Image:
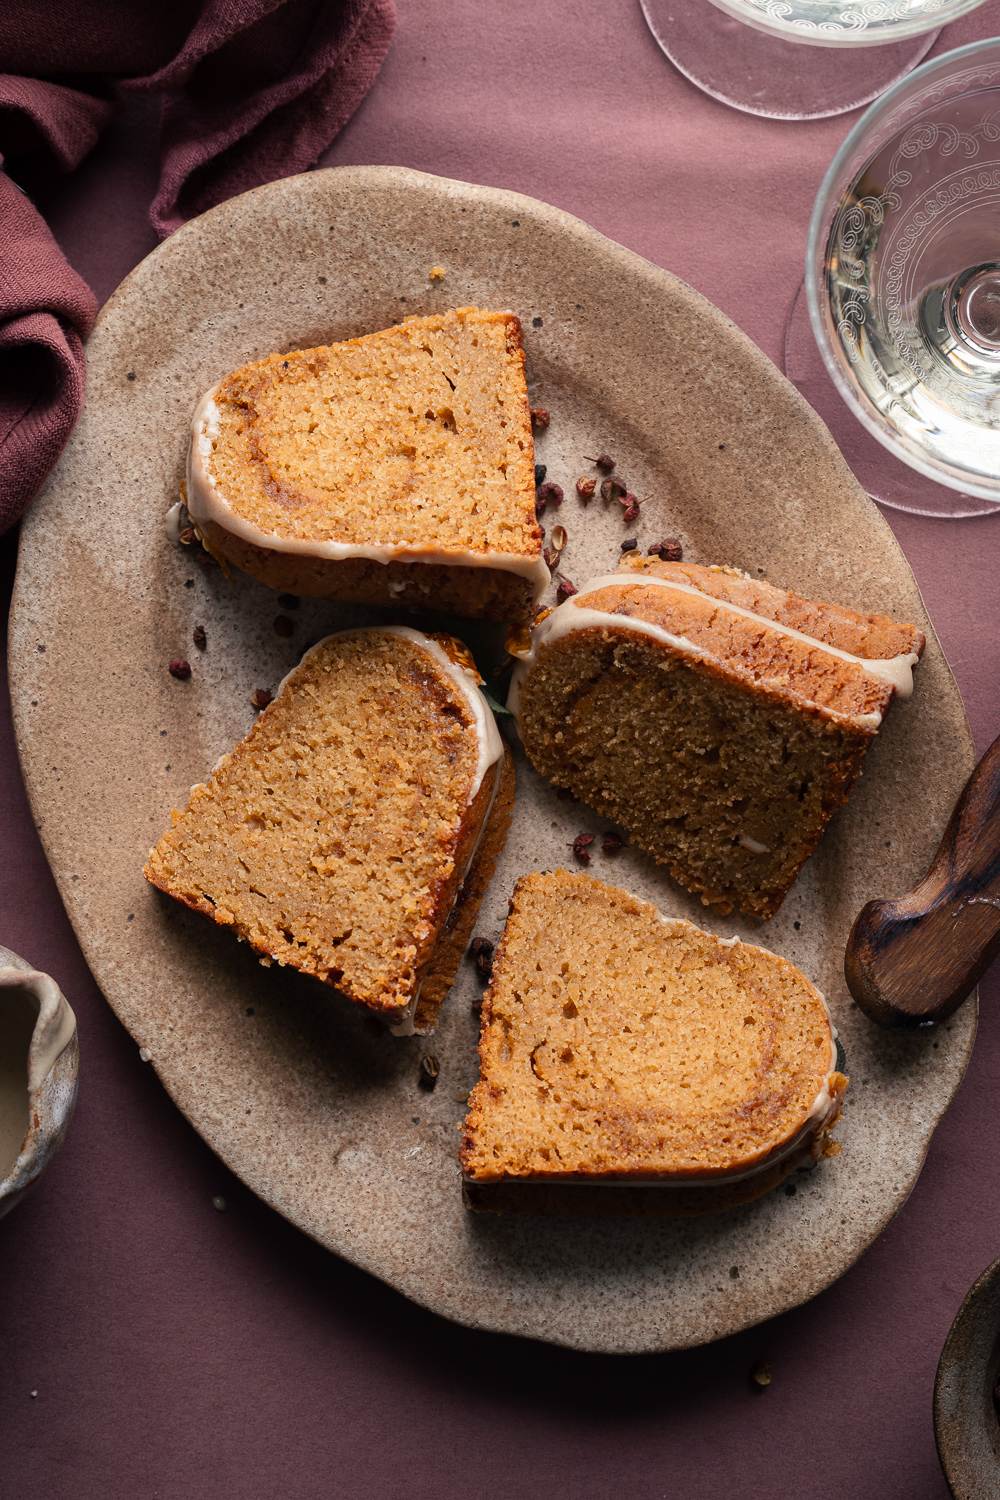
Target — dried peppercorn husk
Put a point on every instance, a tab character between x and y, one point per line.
481	953
581	848
430	1071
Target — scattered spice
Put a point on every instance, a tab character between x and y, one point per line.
581	848
219	1203
260	698
559	538
547	494
761	1375
540	418
585	486
565	590
199	637
629	544
630	511
187	536
430	1070
612	489
289	601
536	322
436	273
612	843
481	953
179	668
540	473
283	626
669	550
550	557
604	462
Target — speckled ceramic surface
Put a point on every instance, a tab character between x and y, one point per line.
46	1065
966	1416
319	1112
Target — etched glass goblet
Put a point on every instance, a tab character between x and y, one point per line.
903	273
798	59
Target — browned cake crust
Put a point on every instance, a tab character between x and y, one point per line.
455	935
413	444
474	593
723	745
632	1063
340	835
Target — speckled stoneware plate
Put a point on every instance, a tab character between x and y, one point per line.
319	1112
966	1415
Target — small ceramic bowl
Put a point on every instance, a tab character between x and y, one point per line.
39	1066
966	1419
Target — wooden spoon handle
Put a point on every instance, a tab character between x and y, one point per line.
914	959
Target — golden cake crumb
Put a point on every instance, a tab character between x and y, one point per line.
618	1044
341	837
396	468
721	742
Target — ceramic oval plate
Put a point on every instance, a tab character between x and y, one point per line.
317	1110
966	1391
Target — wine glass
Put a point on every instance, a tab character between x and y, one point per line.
903	274
798	59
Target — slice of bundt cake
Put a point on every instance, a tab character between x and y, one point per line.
396	468
621	1046
719	719
352	833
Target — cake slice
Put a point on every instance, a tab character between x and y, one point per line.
396	468
719	719
352	833
619	1046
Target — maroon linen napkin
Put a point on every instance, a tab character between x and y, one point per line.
45	313
251	90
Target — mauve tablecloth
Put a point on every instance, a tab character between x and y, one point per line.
152	1346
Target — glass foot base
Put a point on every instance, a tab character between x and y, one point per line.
888	480
765	75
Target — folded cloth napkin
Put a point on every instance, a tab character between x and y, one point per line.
45	313
251	90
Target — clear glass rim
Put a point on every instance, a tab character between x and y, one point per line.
819	229
881	36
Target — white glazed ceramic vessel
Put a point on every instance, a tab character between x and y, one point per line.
39	1067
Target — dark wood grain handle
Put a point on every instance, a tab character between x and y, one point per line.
914	959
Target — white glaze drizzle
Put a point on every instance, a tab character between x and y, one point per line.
173	521
207	503
896	672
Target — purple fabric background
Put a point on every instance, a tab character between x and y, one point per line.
181	1352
